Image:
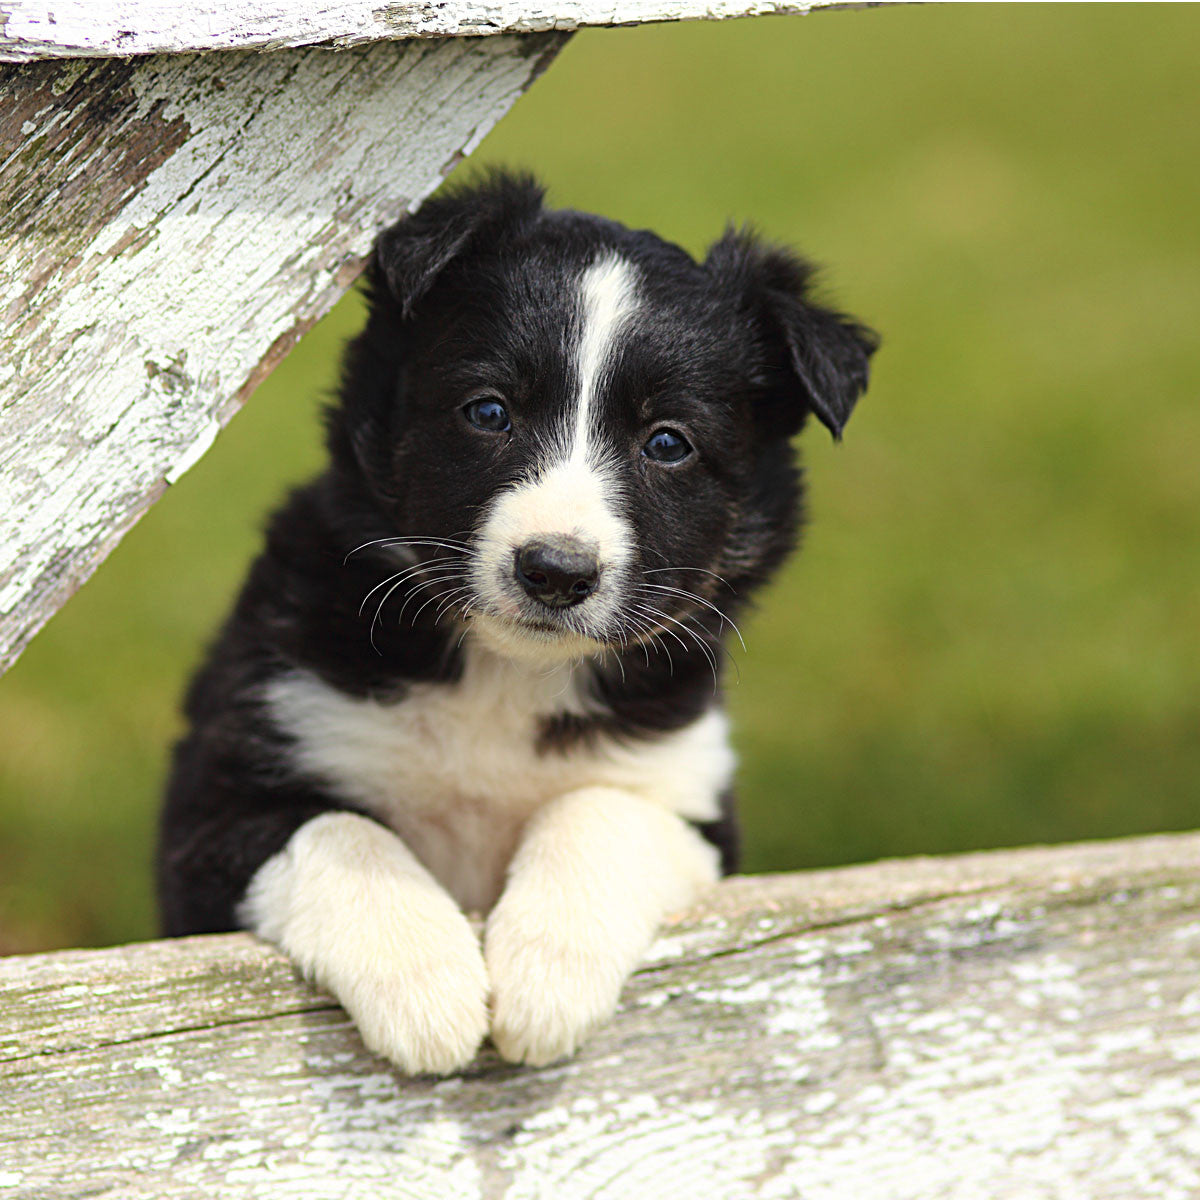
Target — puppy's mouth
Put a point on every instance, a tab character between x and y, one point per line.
547	627
542	623
535	638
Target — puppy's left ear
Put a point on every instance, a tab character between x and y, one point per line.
413	253
819	359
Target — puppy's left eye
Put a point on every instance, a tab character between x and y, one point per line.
667	446
488	414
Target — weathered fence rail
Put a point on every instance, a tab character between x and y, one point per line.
1011	1025
61	28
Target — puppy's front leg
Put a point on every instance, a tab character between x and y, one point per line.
595	873
350	905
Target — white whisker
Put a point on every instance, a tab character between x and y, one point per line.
400	576
662	629
691	596
701	570
443	543
700	642
431	600
418	589
450	600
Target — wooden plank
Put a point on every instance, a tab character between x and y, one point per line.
32	29
168	227
1013	1025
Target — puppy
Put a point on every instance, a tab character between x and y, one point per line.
477	666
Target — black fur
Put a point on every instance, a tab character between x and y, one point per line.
469	294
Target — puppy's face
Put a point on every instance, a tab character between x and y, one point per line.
592	424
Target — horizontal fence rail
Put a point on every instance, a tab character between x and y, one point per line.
1008	1025
63	28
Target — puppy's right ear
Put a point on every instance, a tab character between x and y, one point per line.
820	358
412	253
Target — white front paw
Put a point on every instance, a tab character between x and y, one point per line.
548	993
426	1013
350	905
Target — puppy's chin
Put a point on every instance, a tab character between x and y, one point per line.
537	644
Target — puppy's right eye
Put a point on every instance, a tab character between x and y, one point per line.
667	446
488	414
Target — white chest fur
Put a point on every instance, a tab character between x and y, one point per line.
456	771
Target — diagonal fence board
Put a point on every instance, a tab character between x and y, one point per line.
1011	1025
32	29
169	226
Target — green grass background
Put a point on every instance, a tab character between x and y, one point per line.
992	636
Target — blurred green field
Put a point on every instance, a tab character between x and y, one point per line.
993	635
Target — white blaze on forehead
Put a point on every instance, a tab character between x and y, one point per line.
608	297
571	491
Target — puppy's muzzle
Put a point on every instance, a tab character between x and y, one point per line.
557	571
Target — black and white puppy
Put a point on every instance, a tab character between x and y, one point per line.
476	667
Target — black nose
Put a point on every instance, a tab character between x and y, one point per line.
557	571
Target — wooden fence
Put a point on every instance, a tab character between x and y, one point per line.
1020	1025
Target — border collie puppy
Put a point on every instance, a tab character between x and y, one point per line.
476	667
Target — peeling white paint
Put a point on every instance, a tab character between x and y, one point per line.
1189	1006
62	27
194	453
672	945
655	999
985	910
853	946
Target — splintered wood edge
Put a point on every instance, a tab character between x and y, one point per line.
31	29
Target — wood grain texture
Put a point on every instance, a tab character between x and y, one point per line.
31	29
1016	1025
168	227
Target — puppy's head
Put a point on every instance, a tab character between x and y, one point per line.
593	425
